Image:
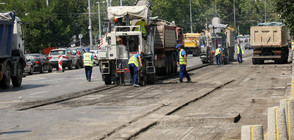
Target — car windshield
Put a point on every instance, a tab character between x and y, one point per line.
32	57
74	52
57	52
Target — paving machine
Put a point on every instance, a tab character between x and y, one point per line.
126	39
218	34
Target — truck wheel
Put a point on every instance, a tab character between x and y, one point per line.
16	80
5	82
107	79
167	65
254	61
151	78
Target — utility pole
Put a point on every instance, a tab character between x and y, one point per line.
234	5
90	24
99	18
215	7
264	10
121	3
191	21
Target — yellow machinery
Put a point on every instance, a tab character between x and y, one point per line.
192	43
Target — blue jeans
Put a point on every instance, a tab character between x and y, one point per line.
218	59
183	72
134	73
239	57
88	71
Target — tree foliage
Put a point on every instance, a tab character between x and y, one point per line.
56	24
285	9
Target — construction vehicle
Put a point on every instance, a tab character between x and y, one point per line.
12	60
157	46
270	41
192	43
218	34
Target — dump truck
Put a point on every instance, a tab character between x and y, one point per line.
192	42
126	39
218	34
270	41
12	60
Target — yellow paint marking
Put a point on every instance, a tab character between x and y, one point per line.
276	124
252	132
292	89
288	119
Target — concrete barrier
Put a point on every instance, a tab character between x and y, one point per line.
277	129
288	106
252	132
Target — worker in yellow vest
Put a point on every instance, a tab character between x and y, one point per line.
143	27
135	64
182	62
240	53
88	63
218	52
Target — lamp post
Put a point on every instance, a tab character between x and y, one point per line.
264	10
191	22
90	23
47	3
121	3
99	18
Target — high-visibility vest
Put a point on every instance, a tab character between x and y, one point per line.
134	60
238	50
181	58
142	25
217	51
88	61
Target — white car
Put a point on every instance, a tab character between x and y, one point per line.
95	53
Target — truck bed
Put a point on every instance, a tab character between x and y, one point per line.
6	32
165	37
268	36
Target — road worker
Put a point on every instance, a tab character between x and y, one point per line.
135	65
88	63
240	53
218	55
143	28
182	62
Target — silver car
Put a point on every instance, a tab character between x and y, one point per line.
68	59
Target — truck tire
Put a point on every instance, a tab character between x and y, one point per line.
16	80
167	65
151	78
107	79
254	61
5	82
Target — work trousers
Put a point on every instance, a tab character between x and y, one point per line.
239	57
218	59
183	72
134	73
88	71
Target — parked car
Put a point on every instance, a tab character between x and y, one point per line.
79	52
95	53
40	63
29	68
68	59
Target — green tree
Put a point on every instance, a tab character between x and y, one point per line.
285	9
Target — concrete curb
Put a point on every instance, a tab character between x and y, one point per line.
277	128
288	106
292	81
252	132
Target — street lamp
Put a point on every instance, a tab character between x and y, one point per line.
99	17
90	24
191	22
